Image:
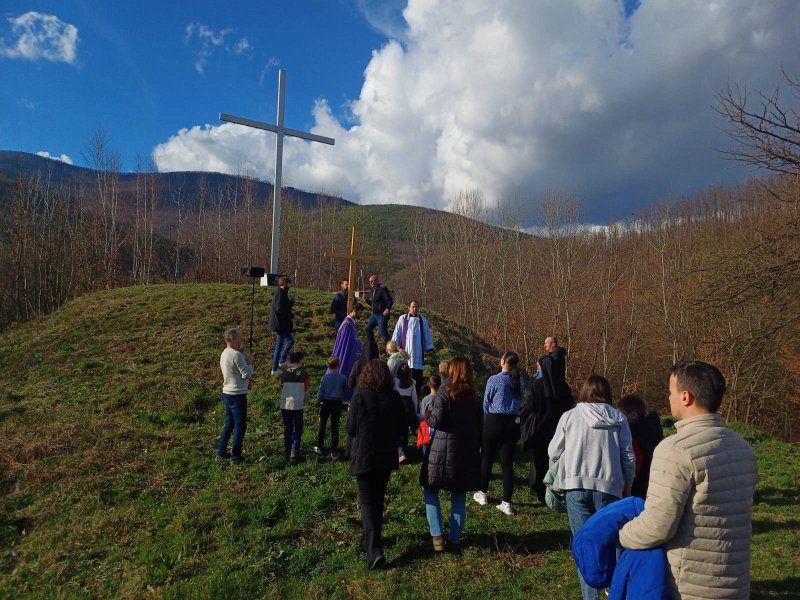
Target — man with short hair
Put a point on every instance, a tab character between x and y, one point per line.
339	304
699	502
347	347
381	304
237	371
413	334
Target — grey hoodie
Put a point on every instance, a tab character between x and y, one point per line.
594	448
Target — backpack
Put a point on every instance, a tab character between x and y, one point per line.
424	434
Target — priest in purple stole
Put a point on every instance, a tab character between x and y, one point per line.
348	347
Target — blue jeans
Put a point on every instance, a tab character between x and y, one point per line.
582	504
458	513
236	421
382	322
292	429
278	358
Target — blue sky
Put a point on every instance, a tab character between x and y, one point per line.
135	74
608	101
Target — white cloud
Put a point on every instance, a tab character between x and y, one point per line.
63	158
35	35
205	40
512	96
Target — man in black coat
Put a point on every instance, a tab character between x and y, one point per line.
281	321
339	305
381	302
549	397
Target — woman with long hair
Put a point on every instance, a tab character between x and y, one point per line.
501	429
375	421
596	465
453	460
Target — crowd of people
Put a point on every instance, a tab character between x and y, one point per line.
588	451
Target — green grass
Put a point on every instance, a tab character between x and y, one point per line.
109	487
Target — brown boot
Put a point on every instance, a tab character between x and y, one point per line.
438	543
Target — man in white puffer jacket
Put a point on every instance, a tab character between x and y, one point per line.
700	499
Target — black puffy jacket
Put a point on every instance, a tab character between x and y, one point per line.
453	461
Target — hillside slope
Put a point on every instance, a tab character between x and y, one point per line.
109	487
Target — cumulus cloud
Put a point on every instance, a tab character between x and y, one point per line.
205	40
609	100
35	36
63	158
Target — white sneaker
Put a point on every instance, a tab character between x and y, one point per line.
505	508
318	451
481	498
274	372
401	455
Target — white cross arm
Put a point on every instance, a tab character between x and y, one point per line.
276	129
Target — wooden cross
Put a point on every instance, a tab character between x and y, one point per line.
352	257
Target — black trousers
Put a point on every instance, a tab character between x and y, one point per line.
540	462
500	436
329	409
371	495
419	380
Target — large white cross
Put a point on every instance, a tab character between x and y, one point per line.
281	131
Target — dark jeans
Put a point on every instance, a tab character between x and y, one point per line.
500	435
371	495
337	322
383	323
292	429
236	421
582	504
281	350
332	409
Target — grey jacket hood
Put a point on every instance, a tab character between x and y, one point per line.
600	416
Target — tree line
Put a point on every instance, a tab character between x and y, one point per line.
715	276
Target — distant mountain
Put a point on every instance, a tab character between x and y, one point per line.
14	164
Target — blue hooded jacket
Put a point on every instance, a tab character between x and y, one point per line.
637	573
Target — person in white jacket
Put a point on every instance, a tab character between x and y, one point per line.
413	334
595	452
700	500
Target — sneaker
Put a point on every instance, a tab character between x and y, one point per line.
481	498
225	456
274	372
335	456
318	451
505	508
401	455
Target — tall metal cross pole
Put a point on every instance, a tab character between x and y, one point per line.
352	257
281	131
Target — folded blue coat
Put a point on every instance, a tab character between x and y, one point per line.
637	574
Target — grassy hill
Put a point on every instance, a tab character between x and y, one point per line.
109	487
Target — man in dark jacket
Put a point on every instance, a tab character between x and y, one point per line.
548	398
339	305
281	321
381	304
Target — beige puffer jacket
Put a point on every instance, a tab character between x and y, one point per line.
699	506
